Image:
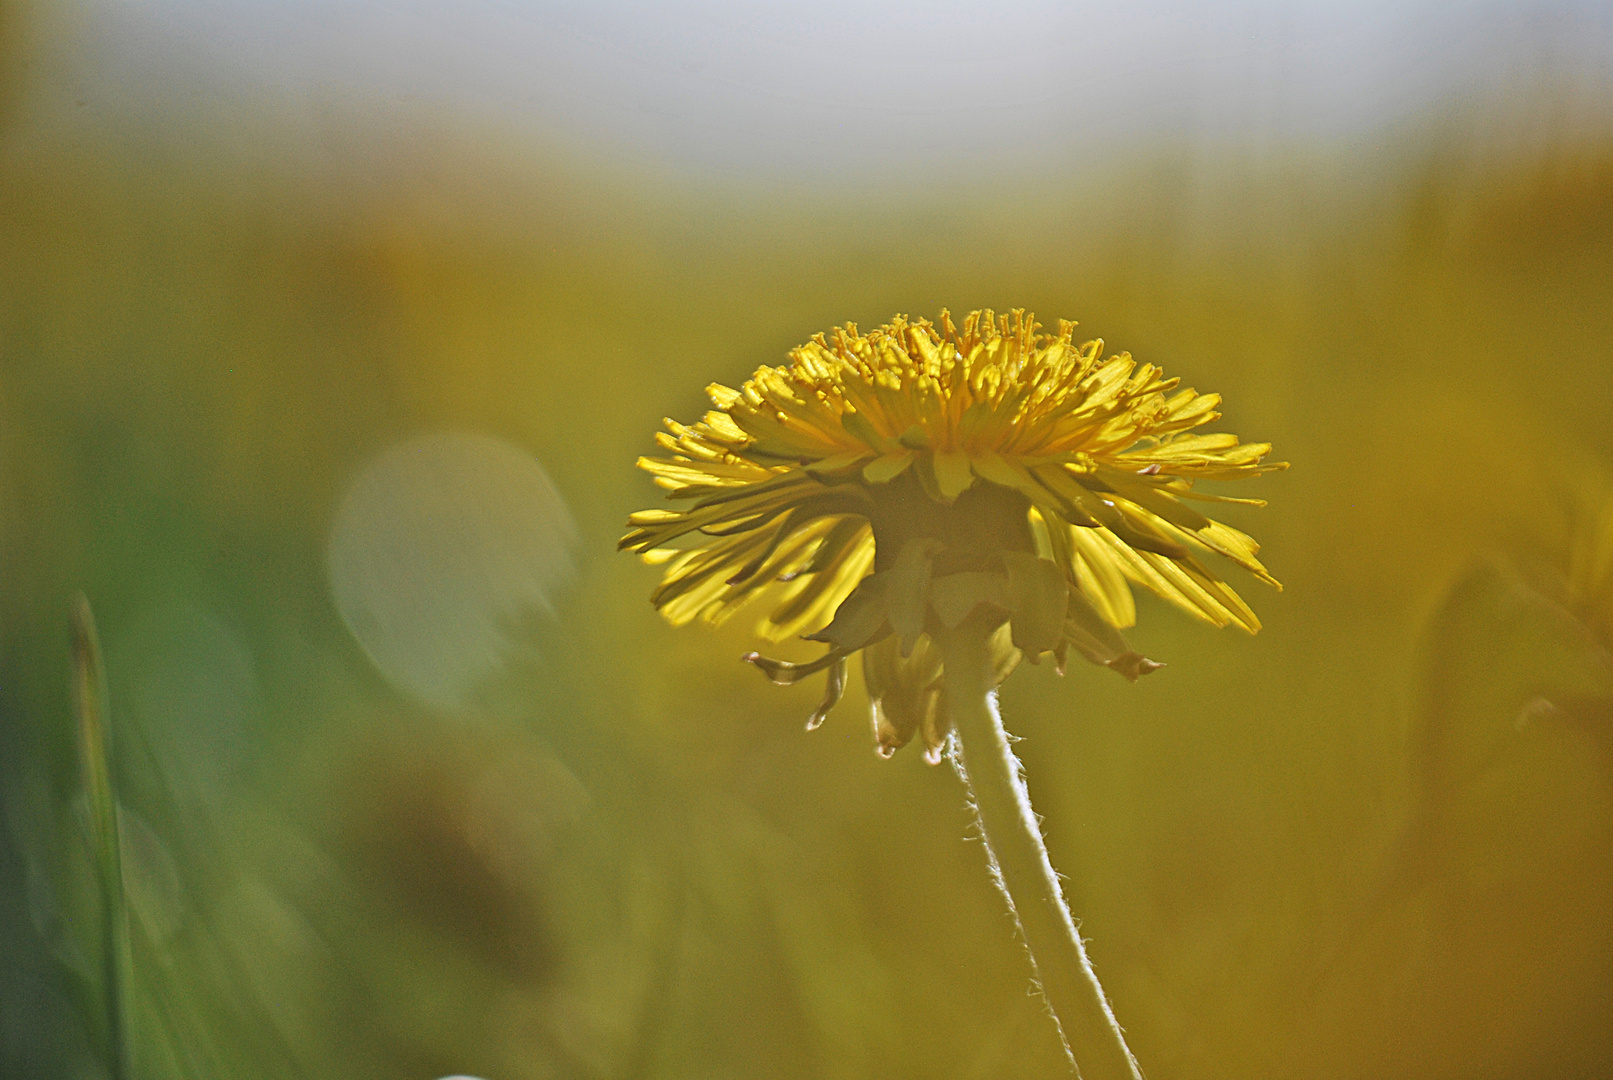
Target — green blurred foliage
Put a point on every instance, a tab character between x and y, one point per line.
624	858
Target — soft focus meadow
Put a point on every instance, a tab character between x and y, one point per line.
329	403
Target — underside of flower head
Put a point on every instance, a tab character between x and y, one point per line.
880	488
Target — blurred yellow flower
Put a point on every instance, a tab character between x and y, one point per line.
884	485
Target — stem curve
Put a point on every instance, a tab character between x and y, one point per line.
1019	862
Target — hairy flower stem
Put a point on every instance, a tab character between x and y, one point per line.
1013	838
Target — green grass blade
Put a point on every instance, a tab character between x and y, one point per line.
95	766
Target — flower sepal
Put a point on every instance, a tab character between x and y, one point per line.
892	617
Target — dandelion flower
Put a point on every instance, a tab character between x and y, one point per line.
881	487
946	502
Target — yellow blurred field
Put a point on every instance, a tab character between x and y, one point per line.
609	850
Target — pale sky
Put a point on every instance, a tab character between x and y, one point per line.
845	87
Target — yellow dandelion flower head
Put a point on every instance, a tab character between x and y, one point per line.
882	487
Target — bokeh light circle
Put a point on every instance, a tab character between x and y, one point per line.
441	548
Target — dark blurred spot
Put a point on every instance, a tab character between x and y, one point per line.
1563	200
424	839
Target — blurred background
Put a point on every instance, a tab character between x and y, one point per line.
329	332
